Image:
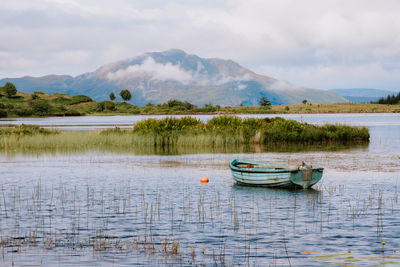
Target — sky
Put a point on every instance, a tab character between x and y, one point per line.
312	43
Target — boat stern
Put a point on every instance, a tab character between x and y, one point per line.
307	177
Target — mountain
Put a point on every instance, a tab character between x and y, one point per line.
160	76
362	95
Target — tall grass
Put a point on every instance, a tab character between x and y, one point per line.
157	136
231	130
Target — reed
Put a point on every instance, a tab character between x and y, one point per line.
223	134
53	229
234	131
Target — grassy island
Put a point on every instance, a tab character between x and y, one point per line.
219	132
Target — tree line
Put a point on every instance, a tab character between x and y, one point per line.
389	100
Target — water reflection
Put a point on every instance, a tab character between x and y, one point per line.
245	189
134	206
186	150
132	209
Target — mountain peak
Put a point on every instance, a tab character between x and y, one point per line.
170	53
173	74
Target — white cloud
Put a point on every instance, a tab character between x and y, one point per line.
164	72
294	38
156	70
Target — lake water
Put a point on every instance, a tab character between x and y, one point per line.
101	208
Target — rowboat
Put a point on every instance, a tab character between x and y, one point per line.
257	173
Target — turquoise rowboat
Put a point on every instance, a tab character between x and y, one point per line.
257	173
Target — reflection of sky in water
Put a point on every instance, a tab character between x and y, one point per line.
310	226
369	119
338	215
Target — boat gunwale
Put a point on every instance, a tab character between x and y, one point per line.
264	170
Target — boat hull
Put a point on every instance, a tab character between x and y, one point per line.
273	175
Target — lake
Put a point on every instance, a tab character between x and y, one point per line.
104	208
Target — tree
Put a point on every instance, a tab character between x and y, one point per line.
265	102
126	95
10	89
305	101
112	96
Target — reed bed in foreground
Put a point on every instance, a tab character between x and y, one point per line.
188	132
81	218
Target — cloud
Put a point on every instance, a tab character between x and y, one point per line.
157	71
291	38
167	71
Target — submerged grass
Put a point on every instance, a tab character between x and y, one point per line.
220	133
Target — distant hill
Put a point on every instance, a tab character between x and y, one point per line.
159	76
362	95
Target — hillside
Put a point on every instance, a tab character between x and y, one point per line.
159	76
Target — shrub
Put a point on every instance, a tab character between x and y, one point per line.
105	105
208	108
180	105
24	112
35	96
40	106
73	113
3	113
149	104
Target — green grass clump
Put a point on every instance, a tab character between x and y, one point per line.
225	122
24	130
231	130
169	124
166	131
168	134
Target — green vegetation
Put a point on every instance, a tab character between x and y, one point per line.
9	89
389	100
223	133
25	130
72	100
112	96
39	103
57	104
231	130
265	102
126	95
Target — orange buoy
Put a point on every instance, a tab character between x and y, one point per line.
204	180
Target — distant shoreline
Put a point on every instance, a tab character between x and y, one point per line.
339	108
62	105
